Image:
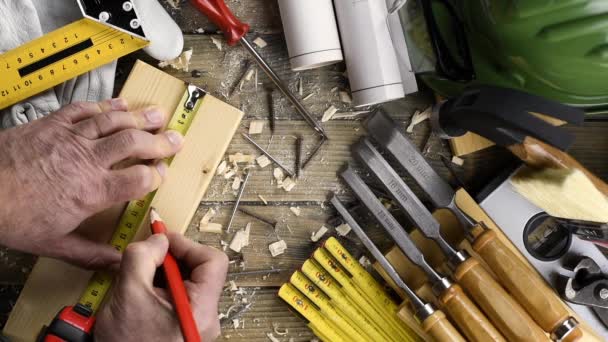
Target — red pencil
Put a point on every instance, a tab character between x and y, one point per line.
176	286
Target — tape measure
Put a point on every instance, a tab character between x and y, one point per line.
135	212
108	31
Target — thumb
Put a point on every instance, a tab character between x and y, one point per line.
86	253
141	259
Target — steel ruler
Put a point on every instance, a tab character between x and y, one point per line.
136	211
107	31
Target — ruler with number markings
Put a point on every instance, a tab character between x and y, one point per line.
107	31
136	211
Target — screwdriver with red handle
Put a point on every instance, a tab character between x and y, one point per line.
235	32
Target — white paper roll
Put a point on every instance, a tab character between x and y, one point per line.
311	33
371	61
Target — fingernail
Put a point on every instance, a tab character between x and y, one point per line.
118	104
153	115
162	168
174	137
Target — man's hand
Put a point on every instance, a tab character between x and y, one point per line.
137	311
57	171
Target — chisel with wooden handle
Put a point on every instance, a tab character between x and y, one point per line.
433	321
527	287
506	314
471	321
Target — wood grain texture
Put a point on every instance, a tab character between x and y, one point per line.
530	290
538	154
502	310
467	316
438	326
54	284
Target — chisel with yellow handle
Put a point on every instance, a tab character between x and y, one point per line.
309	311
433	321
333	290
333	267
323	302
471	321
525	285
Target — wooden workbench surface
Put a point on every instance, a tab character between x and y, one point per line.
220	71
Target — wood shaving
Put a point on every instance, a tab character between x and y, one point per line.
209	215
232	286
419	117
457	160
300	87
295	210
263	161
364	261
288	184
213	228
217	42
278	175
241	158
249	74
343	229
334	89
173	3
279	332
221	168
329	113
236	183
316	236
308	96
235	323
229	174
205	224
261	43
272	338
256	127
263	199
240	239
182	62
224	245
345	97
349	115
277	248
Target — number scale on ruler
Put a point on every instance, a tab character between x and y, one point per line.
135	212
61	55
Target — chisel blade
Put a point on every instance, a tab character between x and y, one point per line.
388	222
384	131
371	247
405	197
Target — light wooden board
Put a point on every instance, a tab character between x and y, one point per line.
53	284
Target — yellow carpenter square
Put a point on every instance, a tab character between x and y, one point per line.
61	55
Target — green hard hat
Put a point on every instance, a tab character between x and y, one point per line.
557	49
